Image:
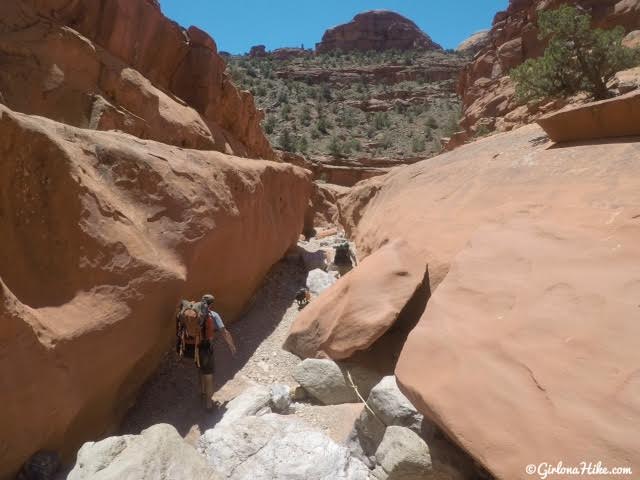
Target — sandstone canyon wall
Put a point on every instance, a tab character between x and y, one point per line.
102	233
485	87
123	65
117	205
523	353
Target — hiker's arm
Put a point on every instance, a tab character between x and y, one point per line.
229	339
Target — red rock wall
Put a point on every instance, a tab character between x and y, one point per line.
101	235
123	65
487	91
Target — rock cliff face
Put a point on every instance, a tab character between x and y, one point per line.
376	30
527	239
474	43
123	65
101	233
487	91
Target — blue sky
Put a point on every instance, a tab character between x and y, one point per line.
236	25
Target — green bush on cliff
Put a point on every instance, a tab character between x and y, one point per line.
577	59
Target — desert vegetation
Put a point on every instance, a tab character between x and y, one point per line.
358	111
578	58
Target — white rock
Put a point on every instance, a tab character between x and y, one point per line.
327	382
390	407
318	281
274	447
250	402
158	452
403	455
280	398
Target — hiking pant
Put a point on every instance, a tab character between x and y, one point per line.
207	366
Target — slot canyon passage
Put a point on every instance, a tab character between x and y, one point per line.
426	274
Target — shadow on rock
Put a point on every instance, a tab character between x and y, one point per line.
172	395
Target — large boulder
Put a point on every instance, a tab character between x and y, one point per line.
376	30
386	406
403	455
124	66
319	280
248	403
593	187
333	384
528	349
158	452
616	117
274	447
625	81
102	233
360	307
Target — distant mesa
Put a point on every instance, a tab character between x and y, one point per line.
258	51
474	43
286	53
376	30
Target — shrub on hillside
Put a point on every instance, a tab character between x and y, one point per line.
269	124
335	147
578	58
286	141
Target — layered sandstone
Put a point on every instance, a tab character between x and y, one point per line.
524	352
124	66
101	233
376	30
485	87
616	117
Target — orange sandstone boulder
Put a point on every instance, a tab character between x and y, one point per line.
357	310
102	233
551	298
437	204
616	117
527	352
323	206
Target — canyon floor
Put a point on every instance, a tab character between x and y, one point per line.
172	394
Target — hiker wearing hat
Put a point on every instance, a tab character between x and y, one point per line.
197	325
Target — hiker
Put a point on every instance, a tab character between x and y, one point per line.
303	297
197	325
344	259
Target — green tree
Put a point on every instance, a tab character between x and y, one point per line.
578	58
431	123
419	145
305	115
286	141
285	112
269	124
323	125
335	147
381	120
